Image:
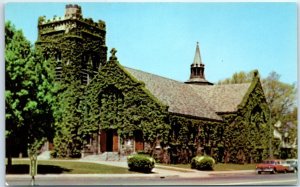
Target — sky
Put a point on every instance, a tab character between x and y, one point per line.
160	38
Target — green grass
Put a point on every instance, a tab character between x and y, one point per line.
65	167
229	167
218	167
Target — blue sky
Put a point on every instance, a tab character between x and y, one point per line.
161	38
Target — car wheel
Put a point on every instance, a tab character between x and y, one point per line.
273	171
259	172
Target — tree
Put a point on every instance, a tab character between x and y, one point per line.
29	94
237	78
280	96
282	101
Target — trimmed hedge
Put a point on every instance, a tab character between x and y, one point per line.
141	163
202	163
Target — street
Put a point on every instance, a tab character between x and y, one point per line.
232	179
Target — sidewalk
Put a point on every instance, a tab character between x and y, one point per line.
170	171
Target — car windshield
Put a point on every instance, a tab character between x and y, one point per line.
269	162
291	161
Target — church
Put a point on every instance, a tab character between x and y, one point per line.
131	111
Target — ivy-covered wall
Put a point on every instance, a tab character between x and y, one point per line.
191	136
116	100
247	132
77	49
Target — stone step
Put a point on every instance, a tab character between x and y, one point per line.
106	156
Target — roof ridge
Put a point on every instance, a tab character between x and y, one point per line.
232	84
154	74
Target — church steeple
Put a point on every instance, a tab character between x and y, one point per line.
197	58
197	70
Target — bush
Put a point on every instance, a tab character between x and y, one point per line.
202	163
141	163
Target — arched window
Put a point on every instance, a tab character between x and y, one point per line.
110	101
257	117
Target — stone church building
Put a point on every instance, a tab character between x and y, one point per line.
130	111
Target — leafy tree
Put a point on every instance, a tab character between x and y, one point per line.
282	101
280	96
29	94
238	77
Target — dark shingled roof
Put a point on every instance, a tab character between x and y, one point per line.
223	98
192	100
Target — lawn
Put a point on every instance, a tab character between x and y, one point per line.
228	167
65	167
218	167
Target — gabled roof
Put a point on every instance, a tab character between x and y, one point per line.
179	97
192	100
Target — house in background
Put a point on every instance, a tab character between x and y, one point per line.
128	110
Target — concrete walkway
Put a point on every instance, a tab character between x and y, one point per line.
169	171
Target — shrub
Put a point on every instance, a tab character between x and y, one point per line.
141	163
202	163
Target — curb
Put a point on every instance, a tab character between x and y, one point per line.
92	176
234	172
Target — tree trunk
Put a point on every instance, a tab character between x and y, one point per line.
9	163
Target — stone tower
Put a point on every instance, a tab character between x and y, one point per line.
197	70
73	43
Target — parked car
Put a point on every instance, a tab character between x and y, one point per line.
272	166
293	163
290	168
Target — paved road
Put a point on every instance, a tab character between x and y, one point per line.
218	179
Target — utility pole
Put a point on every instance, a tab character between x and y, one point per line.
33	168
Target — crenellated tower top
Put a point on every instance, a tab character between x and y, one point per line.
73	42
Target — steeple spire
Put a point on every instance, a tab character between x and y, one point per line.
197	58
197	70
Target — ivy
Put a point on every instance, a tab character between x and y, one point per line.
248	132
114	100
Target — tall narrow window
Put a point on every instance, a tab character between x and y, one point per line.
95	62
58	68
84	68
